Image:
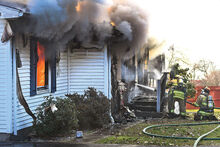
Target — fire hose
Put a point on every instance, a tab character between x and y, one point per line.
197	106
202	137
145	131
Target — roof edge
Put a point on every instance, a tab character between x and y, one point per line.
17	6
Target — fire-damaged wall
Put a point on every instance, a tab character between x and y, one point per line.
76	70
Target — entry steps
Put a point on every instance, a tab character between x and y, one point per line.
145	106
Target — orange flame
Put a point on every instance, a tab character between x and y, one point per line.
40	65
113	24
78	7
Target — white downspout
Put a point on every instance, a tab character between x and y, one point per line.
109	76
106	72
15	85
68	70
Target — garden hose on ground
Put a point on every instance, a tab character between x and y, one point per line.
187	124
200	138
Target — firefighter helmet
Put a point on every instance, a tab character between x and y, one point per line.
206	89
180	81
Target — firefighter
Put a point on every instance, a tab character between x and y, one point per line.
174	71
176	97
206	104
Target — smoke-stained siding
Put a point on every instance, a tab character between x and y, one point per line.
87	69
5	84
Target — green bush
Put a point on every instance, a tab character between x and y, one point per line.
93	109
62	121
87	111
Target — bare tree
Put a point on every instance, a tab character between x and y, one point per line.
176	56
202	68
206	72
211	79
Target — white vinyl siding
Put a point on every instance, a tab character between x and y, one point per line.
5	84
23	119
61	76
76	71
87	69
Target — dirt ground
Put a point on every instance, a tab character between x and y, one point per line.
89	136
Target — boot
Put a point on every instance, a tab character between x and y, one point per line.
213	118
197	117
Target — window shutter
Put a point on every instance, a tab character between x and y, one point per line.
33	67
53	74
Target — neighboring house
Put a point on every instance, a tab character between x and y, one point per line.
75	71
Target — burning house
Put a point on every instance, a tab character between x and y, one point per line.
55	47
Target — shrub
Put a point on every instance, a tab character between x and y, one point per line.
93	109
62	121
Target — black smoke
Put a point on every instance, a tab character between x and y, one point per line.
57	23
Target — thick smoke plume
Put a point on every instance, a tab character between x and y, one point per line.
59	22
132	23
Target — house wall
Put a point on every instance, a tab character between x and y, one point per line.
23	120
76	71
62	75
5	84
88	68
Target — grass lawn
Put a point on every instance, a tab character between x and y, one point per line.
134	135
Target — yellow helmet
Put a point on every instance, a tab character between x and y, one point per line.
206	89
177	76
180	80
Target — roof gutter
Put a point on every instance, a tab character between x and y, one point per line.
8	11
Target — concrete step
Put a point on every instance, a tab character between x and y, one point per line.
144	103
144	97
143	100
144	108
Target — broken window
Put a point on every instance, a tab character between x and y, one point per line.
42	69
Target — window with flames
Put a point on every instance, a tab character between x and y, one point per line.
42	68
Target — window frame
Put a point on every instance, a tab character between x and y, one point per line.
51	76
